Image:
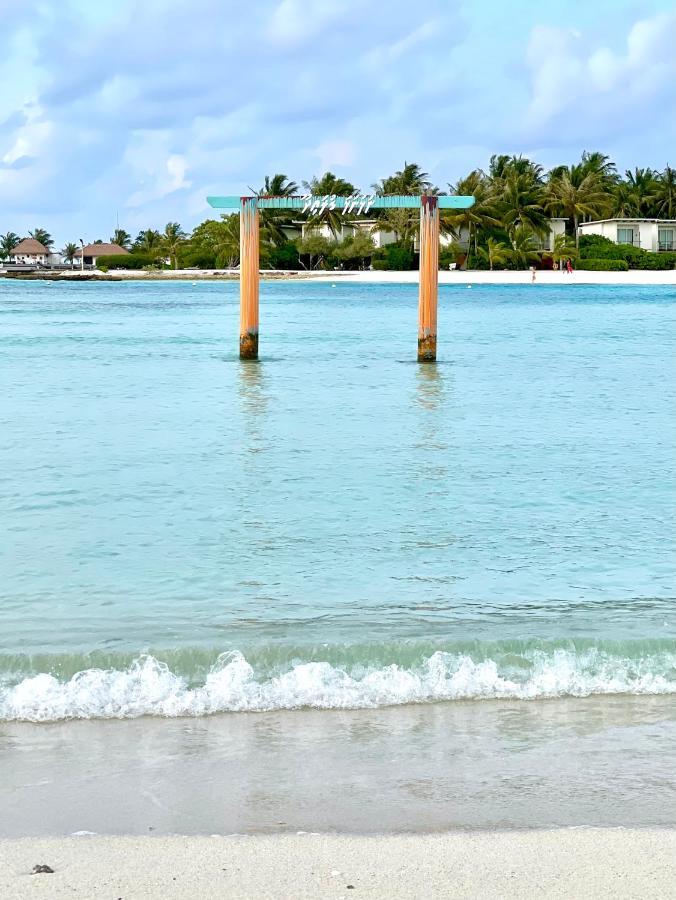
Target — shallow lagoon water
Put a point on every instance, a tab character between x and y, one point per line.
351	527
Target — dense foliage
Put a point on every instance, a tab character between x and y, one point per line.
515	198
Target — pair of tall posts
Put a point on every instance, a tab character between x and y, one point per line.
429	207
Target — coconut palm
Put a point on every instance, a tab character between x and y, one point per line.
520	202
495	253
173	239
68	252
524	246
564	248
7	244
148	241
475	218
122	238
273	221
278	186
573	192
665	193
409	181
43	237
328	184
642	184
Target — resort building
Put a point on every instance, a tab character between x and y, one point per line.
93	251
648	234
346	230
30	252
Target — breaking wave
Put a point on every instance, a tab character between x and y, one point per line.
149	686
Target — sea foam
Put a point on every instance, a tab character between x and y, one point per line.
149	687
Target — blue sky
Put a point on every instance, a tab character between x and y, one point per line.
137	111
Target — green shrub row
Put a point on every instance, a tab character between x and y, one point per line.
133	261
602	265
595	246
399	257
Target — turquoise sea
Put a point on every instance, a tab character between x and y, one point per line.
335	525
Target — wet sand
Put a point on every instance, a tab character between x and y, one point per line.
432	767
579	863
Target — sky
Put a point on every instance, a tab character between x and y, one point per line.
132	112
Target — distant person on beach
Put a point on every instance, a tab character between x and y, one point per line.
532	274
569	266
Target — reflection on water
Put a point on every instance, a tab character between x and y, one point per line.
430	386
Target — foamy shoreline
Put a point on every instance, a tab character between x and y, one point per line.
505	864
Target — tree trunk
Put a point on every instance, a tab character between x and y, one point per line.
577	236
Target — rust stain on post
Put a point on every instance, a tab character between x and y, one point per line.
429	280
248	278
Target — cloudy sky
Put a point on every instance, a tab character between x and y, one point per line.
138	110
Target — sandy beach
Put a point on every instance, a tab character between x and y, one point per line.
571	863
459	278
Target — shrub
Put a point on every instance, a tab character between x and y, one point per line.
394	256
595	246
133	261
602	265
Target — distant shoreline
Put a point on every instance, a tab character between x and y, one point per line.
636	277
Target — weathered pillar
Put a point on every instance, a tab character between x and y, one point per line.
429	279
248	278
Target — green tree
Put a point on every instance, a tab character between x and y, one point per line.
665	193
43	237
642	184
7	244
316	247
408	181
173	239
496	253
215	243
524	250
273	222
69	252
519	202
564	248
328	184
149	242
122	238
357	249
475	218
574	192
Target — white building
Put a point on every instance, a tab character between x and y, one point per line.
346	230
30	252
648	234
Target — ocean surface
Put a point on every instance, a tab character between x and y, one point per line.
335	526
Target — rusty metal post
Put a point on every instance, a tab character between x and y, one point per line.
429	279
248	278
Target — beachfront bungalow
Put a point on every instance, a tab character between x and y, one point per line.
30	252
93	251
346	230
654	235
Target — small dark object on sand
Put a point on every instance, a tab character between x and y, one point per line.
42	870
350	887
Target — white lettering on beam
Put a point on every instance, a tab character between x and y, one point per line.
357	203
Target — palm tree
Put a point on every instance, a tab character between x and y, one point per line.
172	240
520	202
43	237
7	244
148	241
409	181
475	218
495	253
599	164
574	192
524	246
329	184
564	248
273	221
642	185
122	238
665	193
69	252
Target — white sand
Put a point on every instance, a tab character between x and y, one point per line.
573	863
634	277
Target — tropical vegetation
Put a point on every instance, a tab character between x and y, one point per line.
515	198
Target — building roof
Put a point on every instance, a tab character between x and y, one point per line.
30	247
627	219
103	250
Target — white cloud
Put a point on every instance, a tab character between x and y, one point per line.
335	153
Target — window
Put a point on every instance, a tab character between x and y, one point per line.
665	239
625	235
